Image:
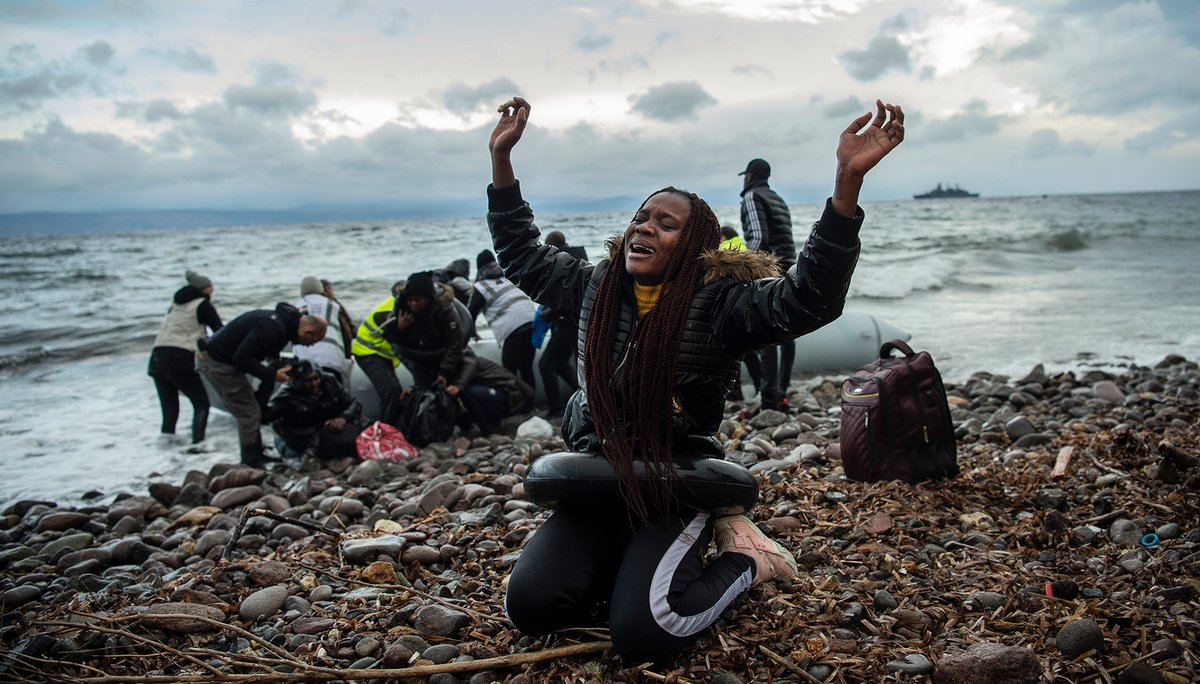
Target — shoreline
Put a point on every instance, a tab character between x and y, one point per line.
408	566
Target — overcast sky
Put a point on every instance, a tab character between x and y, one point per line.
276	104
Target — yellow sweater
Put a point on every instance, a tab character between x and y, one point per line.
647	297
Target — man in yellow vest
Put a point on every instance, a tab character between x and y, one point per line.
731	240
377	359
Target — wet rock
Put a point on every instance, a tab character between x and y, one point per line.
912	664
1051	498
312	625
989	663
442	621
1078	637
1108	391
1019	426
1033	440
883	601
365	472
236	496
19	596
986	600
191	495
768	418
179	617
368	549
59	522
1139	673
270	572
440	654
1125	533
164	492
262	603
397	655
213	539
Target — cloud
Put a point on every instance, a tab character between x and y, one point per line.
463	100
187	60
851	106
752	70
806	11
590	42
26	80
674	101
270	100
98	53
59	12
973	122
1178	131
884	53
1116	58
1046	142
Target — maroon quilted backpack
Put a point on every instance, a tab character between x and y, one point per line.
896	421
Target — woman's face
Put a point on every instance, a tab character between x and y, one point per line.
653	234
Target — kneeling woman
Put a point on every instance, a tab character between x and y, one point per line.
665	322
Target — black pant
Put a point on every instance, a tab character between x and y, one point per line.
776	362
660	593
174	371
486	406
382	375
517	354
558	361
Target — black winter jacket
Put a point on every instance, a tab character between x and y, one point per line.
740	304
767	223
477	370
299	417
254	338
433	345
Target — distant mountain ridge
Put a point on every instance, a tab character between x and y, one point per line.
59	223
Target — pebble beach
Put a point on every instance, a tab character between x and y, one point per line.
1066	550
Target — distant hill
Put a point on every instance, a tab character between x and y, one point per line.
51	223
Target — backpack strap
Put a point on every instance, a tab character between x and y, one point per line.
892	345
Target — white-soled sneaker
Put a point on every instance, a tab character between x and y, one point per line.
739	534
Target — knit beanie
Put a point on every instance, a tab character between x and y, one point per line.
484	258
311	285
197	281
420	283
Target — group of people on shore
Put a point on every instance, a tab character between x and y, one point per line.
663	322
424	325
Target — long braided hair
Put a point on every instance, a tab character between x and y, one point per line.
634	421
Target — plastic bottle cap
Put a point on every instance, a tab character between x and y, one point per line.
1151	540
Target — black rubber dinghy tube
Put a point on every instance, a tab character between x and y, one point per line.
574	479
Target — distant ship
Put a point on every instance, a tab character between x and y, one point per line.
939	193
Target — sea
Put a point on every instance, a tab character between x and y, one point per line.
1074	282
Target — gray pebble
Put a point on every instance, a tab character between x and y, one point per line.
913	663
441	653
263	602
1078	637
1125	532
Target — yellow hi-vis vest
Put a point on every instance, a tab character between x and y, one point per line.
735	243
369	339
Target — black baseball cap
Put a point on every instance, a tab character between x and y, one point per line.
758	167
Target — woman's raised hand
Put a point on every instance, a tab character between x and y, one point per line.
860	149
514	114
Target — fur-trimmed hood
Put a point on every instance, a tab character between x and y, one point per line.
743	266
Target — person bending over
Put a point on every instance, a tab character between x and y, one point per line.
665	320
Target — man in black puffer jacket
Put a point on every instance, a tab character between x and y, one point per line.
248	345
767	227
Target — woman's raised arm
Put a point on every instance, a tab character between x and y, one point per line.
514	114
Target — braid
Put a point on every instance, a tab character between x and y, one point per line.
639	423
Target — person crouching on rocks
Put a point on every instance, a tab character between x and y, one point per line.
666	320
314	415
